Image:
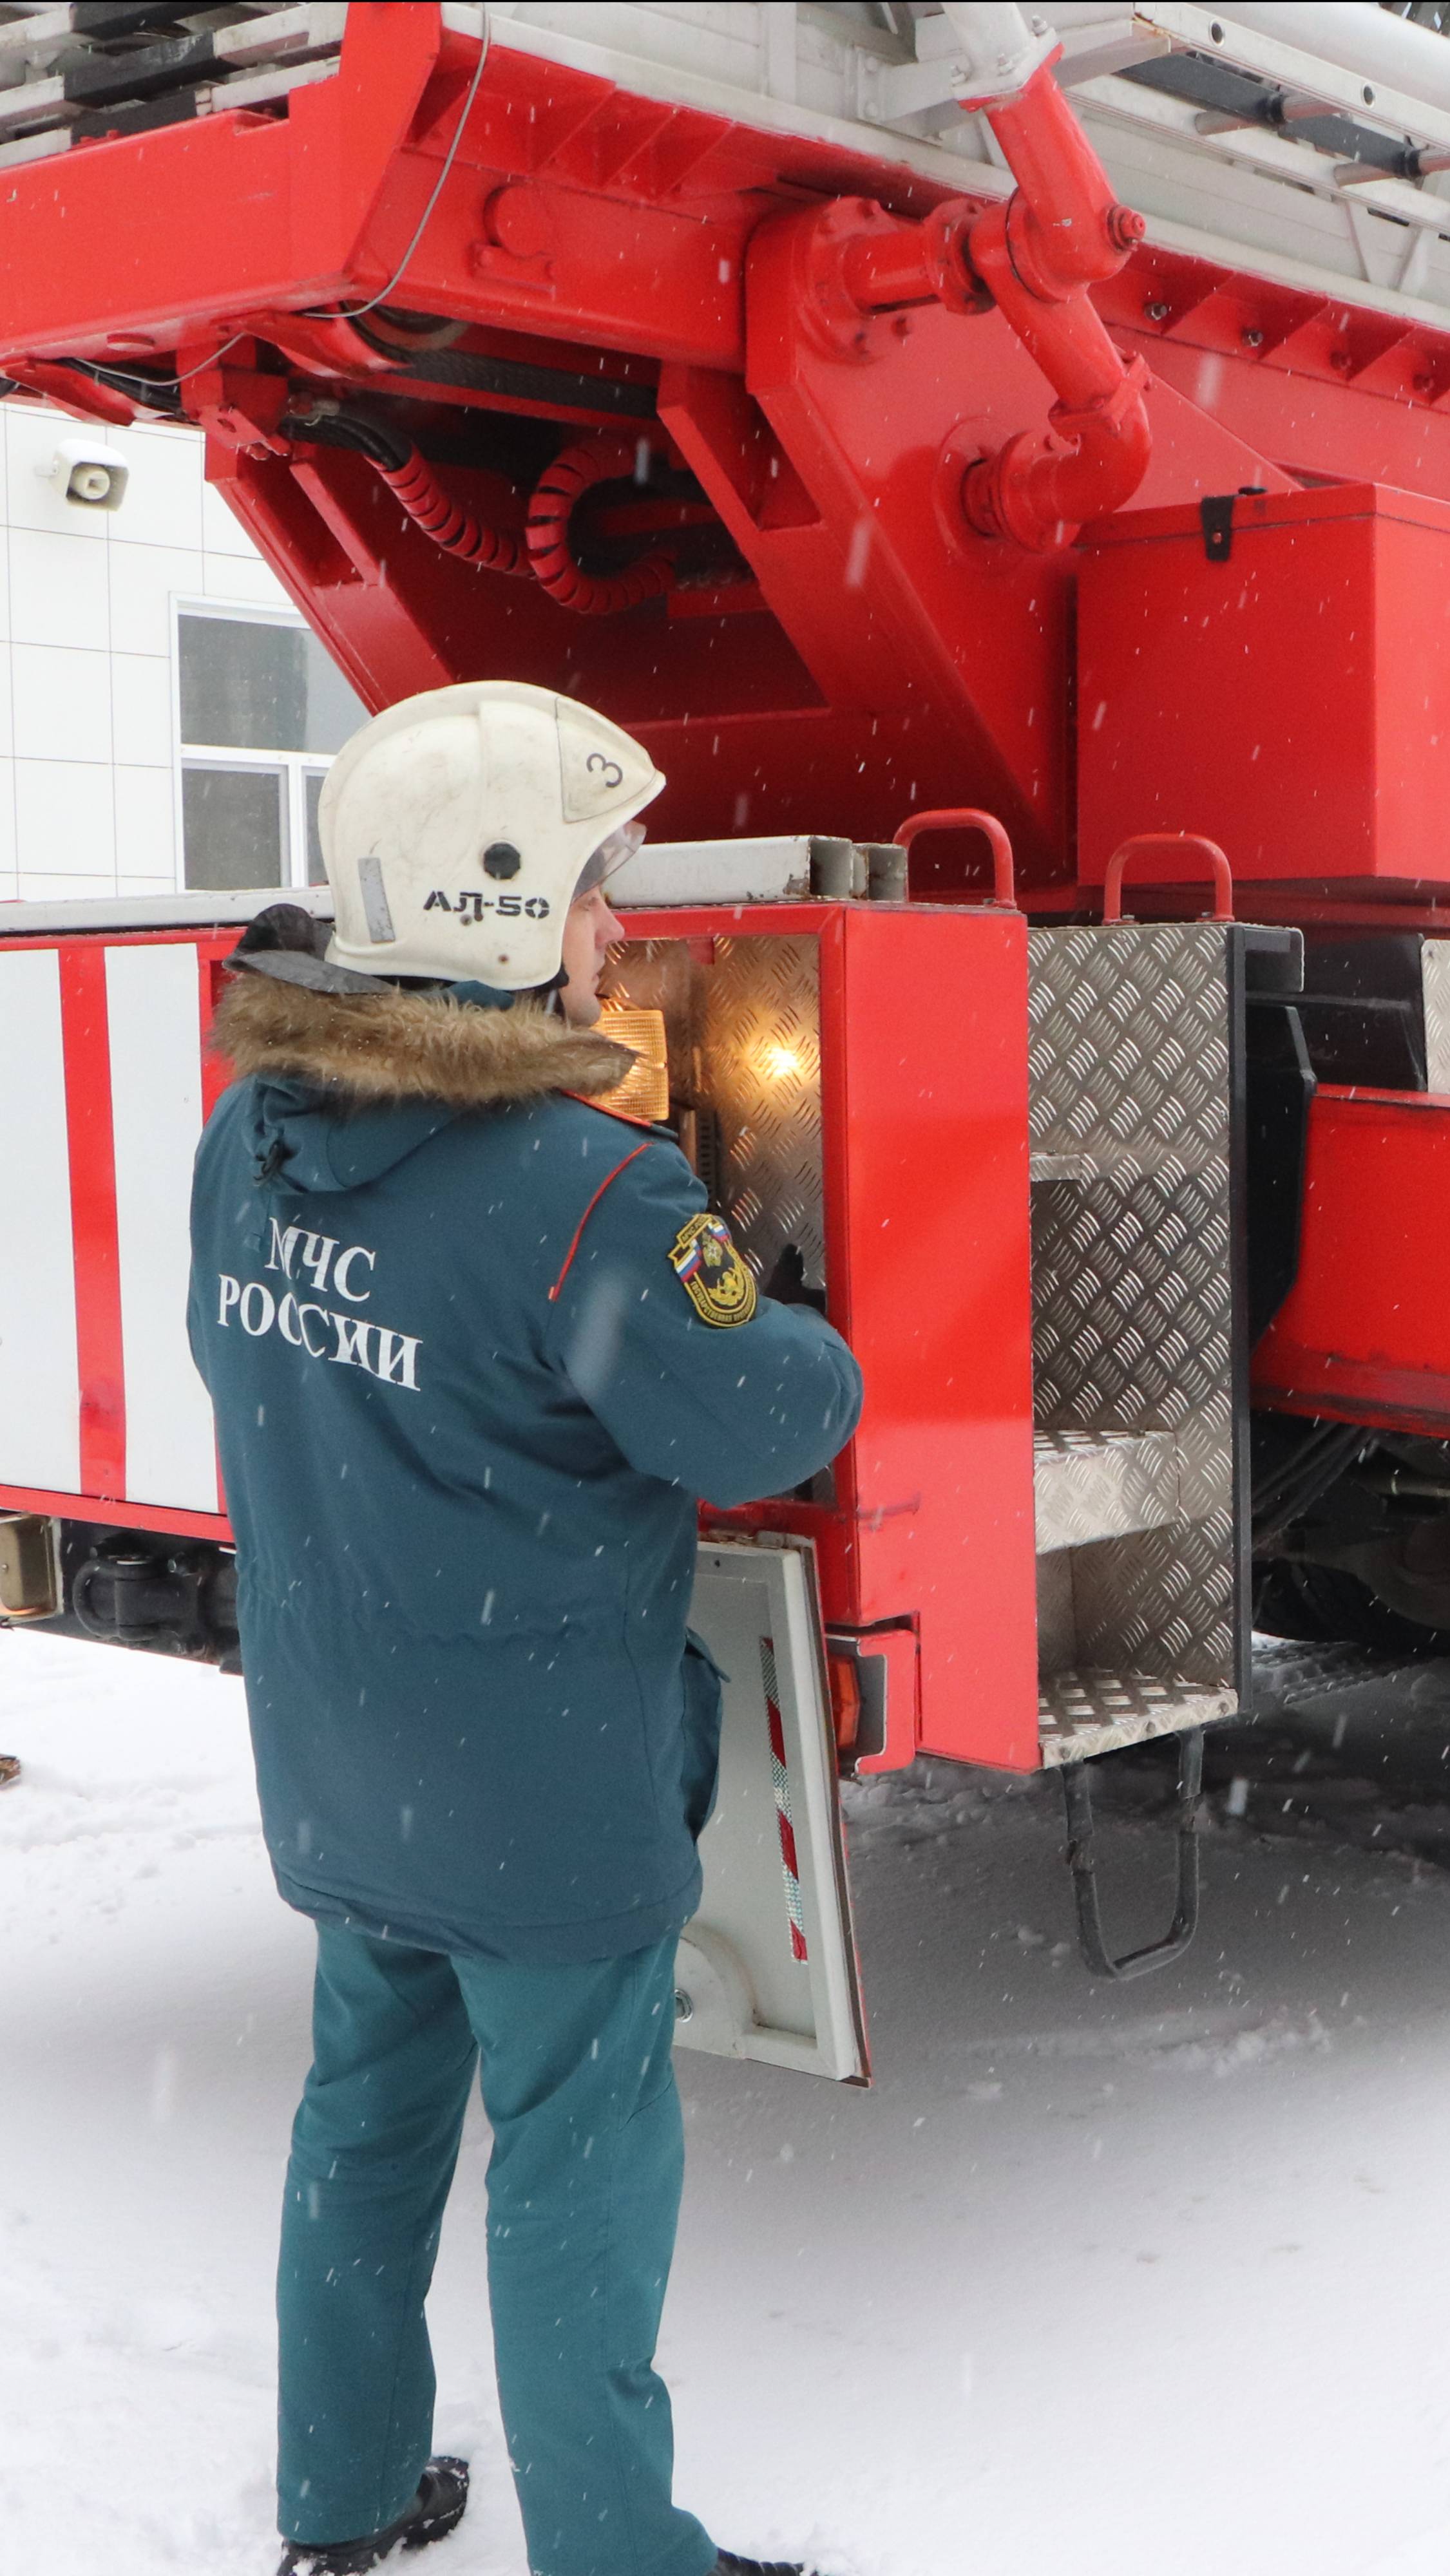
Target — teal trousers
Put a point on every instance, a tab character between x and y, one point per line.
583	2196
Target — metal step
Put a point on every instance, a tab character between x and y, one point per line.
1083	1713
1092	1485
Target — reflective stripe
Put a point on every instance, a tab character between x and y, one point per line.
39	1376
153	1005
93	1219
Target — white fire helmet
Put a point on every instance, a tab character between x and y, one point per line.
455	828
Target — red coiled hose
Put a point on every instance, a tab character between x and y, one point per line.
448	523
556	497
549	554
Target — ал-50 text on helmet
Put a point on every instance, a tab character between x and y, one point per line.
455	827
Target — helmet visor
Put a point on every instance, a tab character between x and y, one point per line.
610	855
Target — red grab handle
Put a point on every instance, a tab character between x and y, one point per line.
958	818
1218	868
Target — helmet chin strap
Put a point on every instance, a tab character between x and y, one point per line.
502	996
286	943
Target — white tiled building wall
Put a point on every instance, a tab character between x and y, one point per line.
89	772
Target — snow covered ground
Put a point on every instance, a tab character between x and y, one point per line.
1140	2282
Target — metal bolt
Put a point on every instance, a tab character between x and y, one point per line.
1253	339
684	2009
1157	312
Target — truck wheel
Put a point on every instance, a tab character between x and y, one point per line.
1322	1605
1281	1611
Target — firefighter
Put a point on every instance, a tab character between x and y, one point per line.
477	1348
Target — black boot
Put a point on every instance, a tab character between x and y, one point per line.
727	2564
436	2509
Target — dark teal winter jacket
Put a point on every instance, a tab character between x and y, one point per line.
453	1322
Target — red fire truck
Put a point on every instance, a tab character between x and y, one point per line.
1036	607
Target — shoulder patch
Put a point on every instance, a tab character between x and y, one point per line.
709	1269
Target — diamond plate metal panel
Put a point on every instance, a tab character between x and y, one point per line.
744	1043
1161	1602
744	1046
1133	1307
760	1069
1128	1045
1435	987
1131	1299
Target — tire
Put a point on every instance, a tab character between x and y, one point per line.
1322	1605
1279	1609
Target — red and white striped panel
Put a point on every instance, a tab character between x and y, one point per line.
101	1080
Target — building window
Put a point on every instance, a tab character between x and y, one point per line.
262	709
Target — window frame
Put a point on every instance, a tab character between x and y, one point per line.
293	768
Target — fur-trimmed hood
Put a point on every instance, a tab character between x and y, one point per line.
369	1050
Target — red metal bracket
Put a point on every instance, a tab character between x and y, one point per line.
963	818
898	1650
70	391
1180	843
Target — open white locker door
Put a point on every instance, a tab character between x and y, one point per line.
767	1969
